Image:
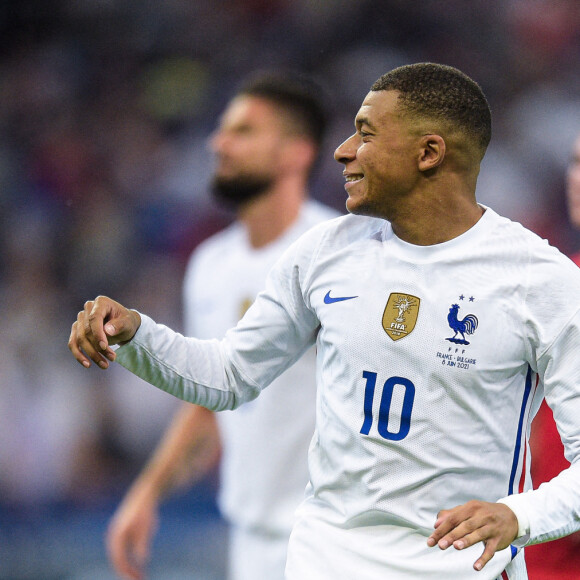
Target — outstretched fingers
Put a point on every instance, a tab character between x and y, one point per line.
494	524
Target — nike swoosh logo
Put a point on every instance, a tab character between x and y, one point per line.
328	299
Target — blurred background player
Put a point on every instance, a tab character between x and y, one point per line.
266	146
559	560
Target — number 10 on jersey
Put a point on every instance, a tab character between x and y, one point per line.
386	413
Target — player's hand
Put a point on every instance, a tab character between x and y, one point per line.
130	535
102	323
494	524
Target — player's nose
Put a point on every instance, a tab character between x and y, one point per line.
346	151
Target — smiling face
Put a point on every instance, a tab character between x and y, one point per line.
573	185
380	158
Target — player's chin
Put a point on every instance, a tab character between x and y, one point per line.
357	205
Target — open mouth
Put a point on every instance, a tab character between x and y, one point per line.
353	178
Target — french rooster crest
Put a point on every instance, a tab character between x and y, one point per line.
463	327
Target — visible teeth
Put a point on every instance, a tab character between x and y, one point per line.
353	177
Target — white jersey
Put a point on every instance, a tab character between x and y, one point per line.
432	361
258	491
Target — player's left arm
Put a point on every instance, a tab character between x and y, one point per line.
494	524
552	510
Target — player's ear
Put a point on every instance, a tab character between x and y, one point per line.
432	152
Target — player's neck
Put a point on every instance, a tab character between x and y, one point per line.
427	226
269	216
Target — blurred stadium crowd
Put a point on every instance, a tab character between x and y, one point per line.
105	109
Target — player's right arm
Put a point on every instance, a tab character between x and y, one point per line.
188	450
219	375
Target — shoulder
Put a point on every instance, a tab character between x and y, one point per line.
540	253
217	246
231	234
354	229
548	275
346	227
334	236
528	245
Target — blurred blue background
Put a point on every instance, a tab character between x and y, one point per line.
105	109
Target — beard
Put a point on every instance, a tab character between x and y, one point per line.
237	191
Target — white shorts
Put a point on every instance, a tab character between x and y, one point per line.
321	551
256	555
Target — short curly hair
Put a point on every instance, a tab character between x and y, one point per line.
441	92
